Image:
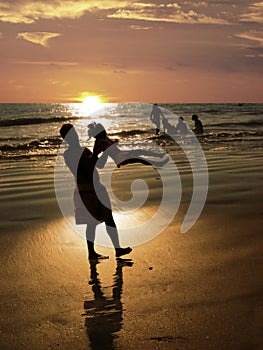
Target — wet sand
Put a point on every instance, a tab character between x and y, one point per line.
198	290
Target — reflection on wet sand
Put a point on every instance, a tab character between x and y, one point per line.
103	315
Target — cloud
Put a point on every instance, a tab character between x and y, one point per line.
48	63
58	83
28	12
171	68
119	71
40	38
164	13
153	5
139	27
196	4
118	68
254	55
253	35
255	13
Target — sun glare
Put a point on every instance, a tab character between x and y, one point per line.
91	103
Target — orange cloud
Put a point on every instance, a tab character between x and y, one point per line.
255	13
139	27
164	13
196	4
30	11
40	38
252	35
153	5
48	63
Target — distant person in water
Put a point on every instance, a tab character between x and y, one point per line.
170	129
89	209
155	117
110	148
181	127
198	129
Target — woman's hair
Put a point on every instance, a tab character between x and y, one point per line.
97	130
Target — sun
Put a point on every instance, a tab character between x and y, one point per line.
91	103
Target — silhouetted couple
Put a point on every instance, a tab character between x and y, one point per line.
89	208
91	200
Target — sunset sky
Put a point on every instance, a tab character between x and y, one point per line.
131	51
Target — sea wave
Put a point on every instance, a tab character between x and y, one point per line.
215	134
14	139
48	146
129	133
55	141
49	142
249	123
30	121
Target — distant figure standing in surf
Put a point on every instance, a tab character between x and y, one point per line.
198	129
110	148
89	209
155	117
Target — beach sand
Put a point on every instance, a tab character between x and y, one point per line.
198	290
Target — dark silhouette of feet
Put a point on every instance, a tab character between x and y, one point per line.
122	251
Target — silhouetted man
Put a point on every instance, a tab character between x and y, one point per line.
198	129
155	117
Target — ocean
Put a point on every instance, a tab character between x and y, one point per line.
30	132
31	149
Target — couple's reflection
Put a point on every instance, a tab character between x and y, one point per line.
103	314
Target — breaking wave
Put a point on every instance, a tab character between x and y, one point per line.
30	121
